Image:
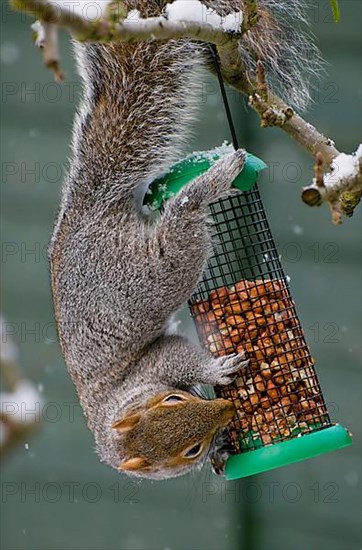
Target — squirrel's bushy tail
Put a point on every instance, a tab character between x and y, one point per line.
138	105
283	41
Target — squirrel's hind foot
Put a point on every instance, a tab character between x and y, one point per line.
221	176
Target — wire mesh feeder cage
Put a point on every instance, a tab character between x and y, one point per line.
243	304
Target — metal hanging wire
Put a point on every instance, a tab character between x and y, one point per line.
229	116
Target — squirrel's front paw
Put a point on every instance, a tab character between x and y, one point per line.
220	451
223	370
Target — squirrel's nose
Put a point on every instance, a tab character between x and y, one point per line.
227	408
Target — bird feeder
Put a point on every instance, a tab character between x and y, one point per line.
243	305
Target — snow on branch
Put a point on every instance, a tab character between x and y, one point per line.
341	187
111	28
115	24
191	19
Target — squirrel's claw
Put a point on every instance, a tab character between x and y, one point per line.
225	369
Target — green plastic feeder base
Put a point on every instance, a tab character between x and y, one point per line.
284	453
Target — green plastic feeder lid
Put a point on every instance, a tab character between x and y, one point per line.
193	166
287	452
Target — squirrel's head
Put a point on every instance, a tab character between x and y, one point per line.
170	434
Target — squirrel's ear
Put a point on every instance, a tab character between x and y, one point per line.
127	423
133	464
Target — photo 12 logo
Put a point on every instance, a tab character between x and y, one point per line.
73	492
269	491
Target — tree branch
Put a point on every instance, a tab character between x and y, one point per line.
107	30
272	110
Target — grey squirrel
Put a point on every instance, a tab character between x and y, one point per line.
117	276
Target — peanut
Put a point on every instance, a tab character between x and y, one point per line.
260	320
202	307
259	305
293	397
258	290
234	320
219	294
240	349
258	354
265	370
214	348
275	365
211	318
224	329
286	404
254	399
274	306
242	296
259	383
249	347
247	406
272	391
266	438
217	309
245	306
265	402
233	307
242	286
252	332
249	316
228	345
279	379
236	335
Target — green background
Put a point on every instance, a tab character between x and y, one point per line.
79	503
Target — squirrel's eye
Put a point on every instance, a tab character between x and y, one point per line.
170	399
194	451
